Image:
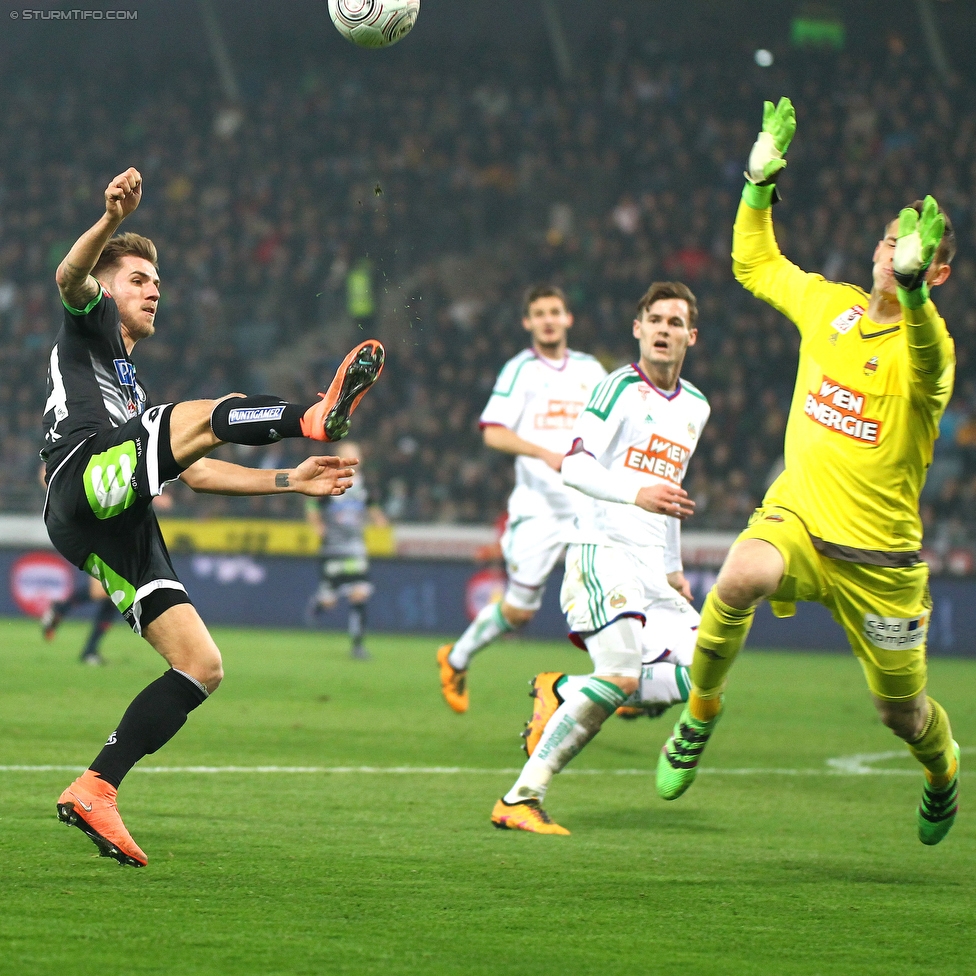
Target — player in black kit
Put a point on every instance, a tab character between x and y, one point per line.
109	452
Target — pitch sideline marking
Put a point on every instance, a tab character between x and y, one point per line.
859	764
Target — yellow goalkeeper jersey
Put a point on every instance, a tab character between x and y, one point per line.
866	406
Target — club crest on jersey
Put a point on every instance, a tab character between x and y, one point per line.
559	415
871	366
661	457
847	320
643	389
838	408
692	432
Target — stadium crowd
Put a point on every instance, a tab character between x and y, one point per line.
417	205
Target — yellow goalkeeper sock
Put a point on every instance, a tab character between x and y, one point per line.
722	631
933	748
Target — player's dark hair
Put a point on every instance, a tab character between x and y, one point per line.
122	246
536	292
669	289
946	250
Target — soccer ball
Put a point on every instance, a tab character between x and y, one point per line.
374	23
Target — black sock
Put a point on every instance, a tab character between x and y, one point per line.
256	420
156	714
106	616
357	623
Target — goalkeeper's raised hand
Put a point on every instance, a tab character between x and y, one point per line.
766	159
919	237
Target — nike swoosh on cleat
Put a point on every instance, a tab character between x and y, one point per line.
87	807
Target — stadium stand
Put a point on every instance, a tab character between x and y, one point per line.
417	206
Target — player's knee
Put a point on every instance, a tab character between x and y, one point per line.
516	616
752	571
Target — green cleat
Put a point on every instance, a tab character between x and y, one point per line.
937	811
677	765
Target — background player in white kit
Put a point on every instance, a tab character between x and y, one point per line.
630	452
536	400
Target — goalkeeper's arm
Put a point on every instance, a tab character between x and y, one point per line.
919	236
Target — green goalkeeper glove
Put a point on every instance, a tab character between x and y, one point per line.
766	159
918	240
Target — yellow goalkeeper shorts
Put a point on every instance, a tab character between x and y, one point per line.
884	611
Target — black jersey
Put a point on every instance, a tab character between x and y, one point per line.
91	382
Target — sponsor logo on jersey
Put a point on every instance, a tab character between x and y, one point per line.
661	457
773	518
871	366
847	320
896	633
558	415
838	408
250	415
126	373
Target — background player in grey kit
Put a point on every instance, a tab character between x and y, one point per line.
340	522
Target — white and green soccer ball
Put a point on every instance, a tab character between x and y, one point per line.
374	23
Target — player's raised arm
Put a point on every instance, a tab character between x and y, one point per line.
920	261
73	276
318	475
757	263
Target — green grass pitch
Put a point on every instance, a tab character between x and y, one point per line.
776	862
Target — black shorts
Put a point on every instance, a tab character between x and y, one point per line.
99	514
341	573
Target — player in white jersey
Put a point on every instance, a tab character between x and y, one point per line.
536	400
630	452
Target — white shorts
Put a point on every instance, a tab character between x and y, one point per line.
532	546
604	583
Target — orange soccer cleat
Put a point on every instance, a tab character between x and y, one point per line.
547	700
89	804
454	683
328	420
525	815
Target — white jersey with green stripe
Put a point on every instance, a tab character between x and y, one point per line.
540	399
642	436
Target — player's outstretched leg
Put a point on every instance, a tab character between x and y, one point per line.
453	659
721	633
328	420
89	803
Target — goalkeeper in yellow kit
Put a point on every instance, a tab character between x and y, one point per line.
840	526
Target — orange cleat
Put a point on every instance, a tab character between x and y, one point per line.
525	815
89	804
454	683
628	711
328	420
547	700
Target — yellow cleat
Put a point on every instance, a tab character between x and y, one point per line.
525	815
547	700
454	683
